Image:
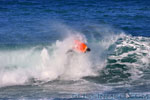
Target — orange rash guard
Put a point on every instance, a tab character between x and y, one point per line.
79	46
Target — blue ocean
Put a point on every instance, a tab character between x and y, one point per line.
36	34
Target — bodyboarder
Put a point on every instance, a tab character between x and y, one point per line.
80	47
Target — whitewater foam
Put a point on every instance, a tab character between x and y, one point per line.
49	63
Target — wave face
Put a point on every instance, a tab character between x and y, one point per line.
115	58
128	63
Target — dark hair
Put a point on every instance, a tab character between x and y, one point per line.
88	49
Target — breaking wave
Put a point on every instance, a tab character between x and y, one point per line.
113	58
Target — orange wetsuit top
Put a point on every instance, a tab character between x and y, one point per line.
79	46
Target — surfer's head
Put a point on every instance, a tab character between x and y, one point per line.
88	49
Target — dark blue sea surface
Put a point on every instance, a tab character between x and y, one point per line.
35	35
29	21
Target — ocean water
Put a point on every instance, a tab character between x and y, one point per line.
36	34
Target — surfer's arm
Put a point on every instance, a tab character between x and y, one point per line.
70	50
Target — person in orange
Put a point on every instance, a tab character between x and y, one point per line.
80	47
